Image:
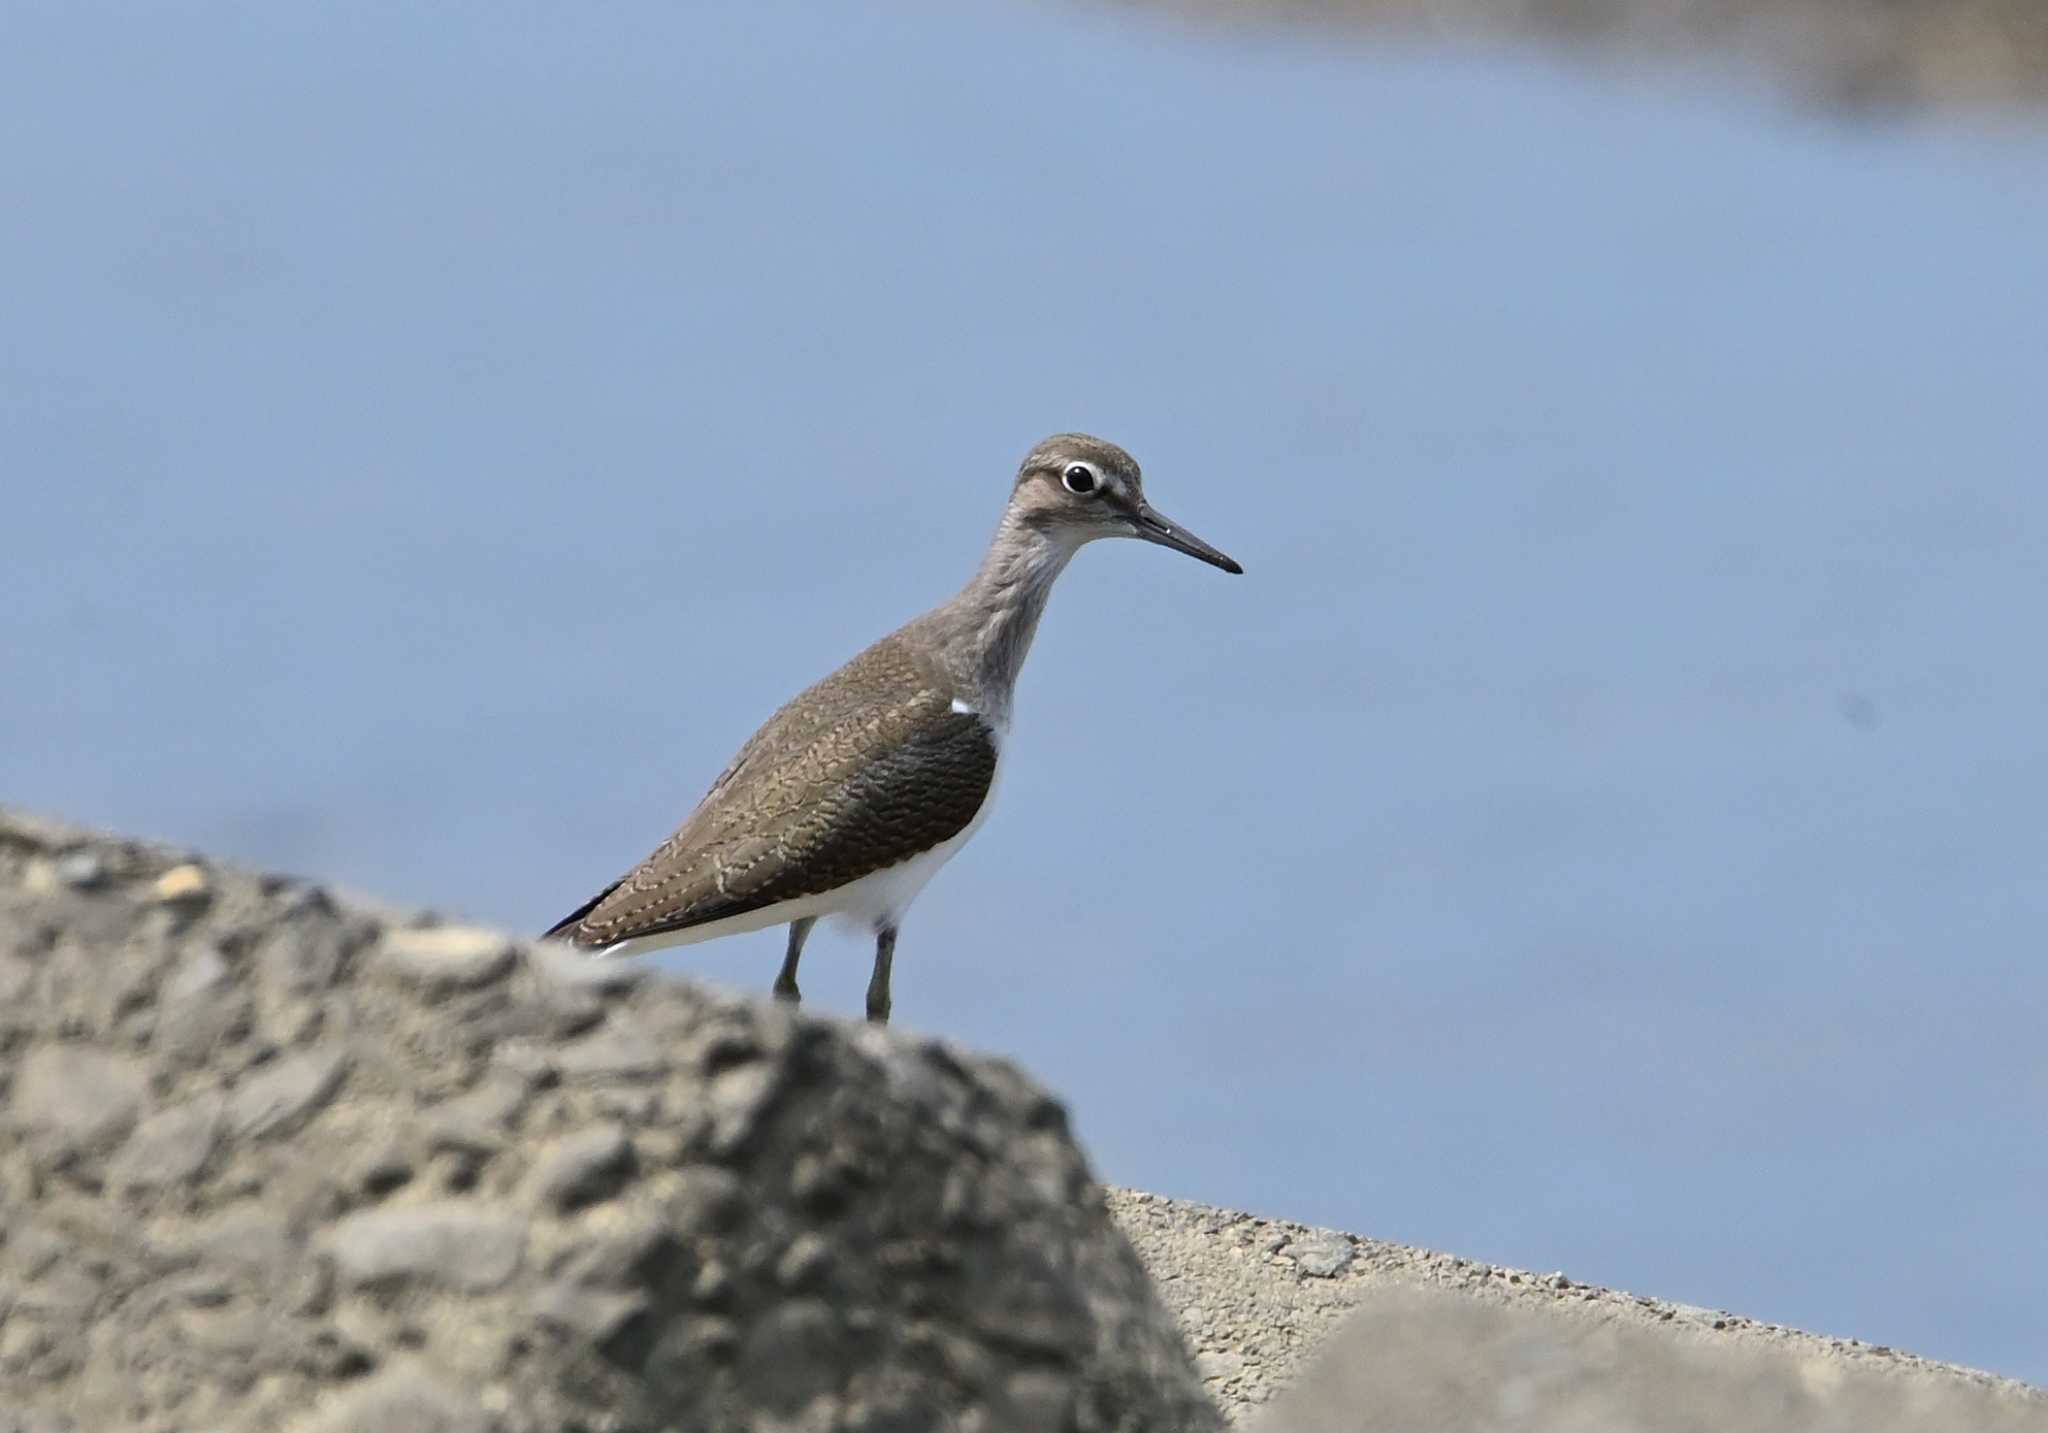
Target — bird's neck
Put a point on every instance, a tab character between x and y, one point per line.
989	625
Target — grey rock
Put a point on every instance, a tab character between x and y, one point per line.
306	953
1039	1399
188	1032
620	1049
36	1249
282	1096
229	1335
793	1355
583	1168
452	1244
242	1238
569	1009
805	1262
639	1251
16	975
738	1099
705	1337
712	1286
201	1008
479	1121
1029	1306
82	870
67	1292
598	1316
85	1095
705	1200
530	1061
30	1422
445	957
402	1400
170	1147
353	1202
1322	1254
201	974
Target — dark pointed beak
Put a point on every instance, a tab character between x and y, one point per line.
1155	527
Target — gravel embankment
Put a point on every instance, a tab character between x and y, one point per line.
1259	1299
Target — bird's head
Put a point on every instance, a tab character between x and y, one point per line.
1073	489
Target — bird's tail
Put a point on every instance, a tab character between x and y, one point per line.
565	928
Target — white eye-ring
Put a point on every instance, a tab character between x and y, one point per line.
1081	478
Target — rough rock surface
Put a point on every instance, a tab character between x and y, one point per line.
1386	1337
1439	1361
272	1162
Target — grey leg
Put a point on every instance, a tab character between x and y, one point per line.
878	983
785	981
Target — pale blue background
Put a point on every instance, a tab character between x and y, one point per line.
1603	831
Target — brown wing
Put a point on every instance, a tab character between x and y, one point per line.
867	769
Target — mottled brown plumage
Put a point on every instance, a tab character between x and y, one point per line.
861	772
850	798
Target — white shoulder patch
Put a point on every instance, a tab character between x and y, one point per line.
963	709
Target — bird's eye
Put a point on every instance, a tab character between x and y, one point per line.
1079	479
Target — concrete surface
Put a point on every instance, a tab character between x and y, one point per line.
271	1161
1420	1359
1379	1336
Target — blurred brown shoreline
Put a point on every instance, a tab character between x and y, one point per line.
1865	54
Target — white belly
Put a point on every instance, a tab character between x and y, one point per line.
880	898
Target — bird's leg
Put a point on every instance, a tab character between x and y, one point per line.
785	980
878	983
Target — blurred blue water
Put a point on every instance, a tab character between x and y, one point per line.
1603	830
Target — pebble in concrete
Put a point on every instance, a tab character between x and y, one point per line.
738	1098
596	1315
185	885
84	1094
171	1146
446	957
1321	1255
401	1400
621	1049
82	870
283	1095
583	1168
451	1244
200	1008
